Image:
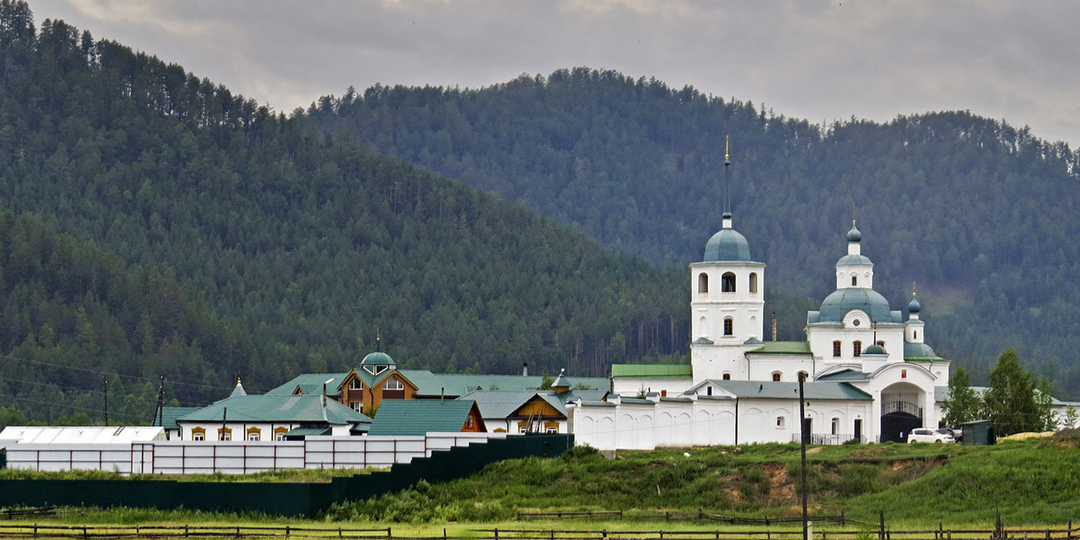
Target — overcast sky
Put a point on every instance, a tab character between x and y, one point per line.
821	61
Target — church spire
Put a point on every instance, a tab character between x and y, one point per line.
727	183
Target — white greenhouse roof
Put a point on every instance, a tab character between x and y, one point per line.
80	434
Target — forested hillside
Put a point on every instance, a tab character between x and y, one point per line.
981	215
299	245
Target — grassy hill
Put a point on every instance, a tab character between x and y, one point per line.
1029	482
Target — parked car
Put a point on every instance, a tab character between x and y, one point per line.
930	436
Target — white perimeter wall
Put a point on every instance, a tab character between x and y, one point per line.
237	457
710	421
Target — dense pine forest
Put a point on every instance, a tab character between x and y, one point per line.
153	224
158	225
979	215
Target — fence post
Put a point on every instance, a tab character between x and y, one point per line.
1068	534
881	533
389	533
496	533
843	522
185	530
286	528
998	533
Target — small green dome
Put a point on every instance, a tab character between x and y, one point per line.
837	305
874	349
377	359
727	245
854	235
914	306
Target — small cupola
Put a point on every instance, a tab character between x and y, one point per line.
914	307
377	362
562	382
238	390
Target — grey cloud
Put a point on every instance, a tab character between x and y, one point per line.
817	60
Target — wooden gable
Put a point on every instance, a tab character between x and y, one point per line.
537	407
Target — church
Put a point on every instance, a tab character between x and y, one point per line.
869	373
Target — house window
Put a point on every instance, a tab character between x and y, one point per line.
380	369
753	282
523	429
356	384
729	327
356	405
776	376
854	281
727	376
469	422
552	429
253	436
279	437
279	433
727	282
703	283
198	436
393	384
836	349
835	426
708	390
225	436
779	421
858	348
370	369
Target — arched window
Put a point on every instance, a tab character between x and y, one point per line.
753	282
854	281
729	327
836	349
776	376
779	421
727	282
727	376
703	283
858	348
835	426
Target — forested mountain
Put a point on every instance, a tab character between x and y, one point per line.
299	245
981	215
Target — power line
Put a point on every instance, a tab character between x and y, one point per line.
81	390
99	372
69	406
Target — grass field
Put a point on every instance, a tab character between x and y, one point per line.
1033	482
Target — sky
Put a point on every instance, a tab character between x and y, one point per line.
822	61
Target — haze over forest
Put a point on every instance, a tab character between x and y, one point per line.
157	224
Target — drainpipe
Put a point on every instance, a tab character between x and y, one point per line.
736	421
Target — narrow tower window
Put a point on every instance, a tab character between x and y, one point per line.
727	282
858	348
854	281
729	327
703	283
753	282
836	349
776	376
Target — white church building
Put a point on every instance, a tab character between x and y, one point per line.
869	373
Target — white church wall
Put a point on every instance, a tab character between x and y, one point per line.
763	366
632	386
712	361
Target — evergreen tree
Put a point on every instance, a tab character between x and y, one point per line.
963	404
1012	403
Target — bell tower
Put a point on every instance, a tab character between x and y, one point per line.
727	303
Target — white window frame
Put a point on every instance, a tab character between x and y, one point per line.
356	384
198	436
253	436
398	385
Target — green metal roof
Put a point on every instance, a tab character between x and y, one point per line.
783	347
845	375
727	245
652	371
306	431
458	384
790	390
170	414
837	305
311	384
421	416
500	404
276	408
915	352
377	359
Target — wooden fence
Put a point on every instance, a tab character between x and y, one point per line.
700	515
288	531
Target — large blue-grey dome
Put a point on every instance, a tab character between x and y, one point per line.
727	245
842	301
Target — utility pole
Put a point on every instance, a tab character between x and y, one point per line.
803	436
105	381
